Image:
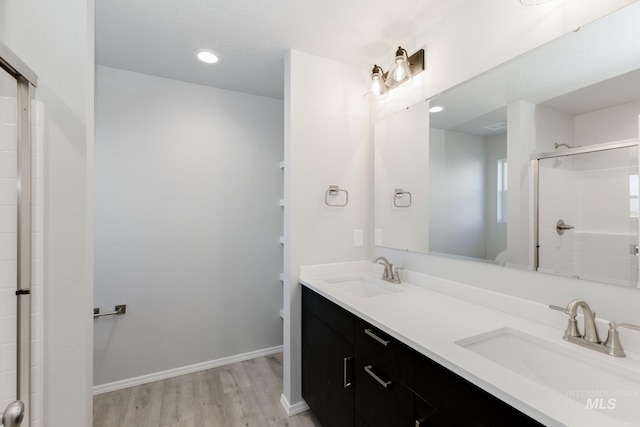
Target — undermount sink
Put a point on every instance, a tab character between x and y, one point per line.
363	287
604	387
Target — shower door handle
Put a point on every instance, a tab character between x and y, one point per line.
13	415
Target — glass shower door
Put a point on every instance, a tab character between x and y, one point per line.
8	245
588	214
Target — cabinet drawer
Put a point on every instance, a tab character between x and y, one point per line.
337	318
385	352
461	402
379	405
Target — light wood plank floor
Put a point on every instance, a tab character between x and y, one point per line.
243	394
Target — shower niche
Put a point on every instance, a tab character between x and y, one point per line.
586	212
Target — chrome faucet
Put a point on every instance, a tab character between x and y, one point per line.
590	339
390	274
590	328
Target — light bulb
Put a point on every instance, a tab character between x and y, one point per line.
399	71
378	86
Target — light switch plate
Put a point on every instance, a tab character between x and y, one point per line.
358	239
377	238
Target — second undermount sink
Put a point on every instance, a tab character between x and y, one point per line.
363	287
598	385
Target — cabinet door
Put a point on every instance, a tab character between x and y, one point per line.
327	369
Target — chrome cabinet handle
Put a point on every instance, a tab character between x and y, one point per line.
377	338
344	372
383	383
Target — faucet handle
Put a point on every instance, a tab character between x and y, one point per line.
555	307
627	325
612	344
572	327
396	274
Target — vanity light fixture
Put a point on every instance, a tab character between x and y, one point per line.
208	56
404	68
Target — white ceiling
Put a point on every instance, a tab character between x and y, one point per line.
160	37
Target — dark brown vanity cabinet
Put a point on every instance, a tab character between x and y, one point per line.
327	360
353	374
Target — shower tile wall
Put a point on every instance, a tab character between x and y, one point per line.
8	242
556	252
609	228
596	203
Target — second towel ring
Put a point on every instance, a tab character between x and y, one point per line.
398	194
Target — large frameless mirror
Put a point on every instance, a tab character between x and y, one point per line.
473	182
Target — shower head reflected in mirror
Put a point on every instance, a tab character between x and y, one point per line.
556	145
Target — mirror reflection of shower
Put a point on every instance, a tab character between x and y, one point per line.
587	212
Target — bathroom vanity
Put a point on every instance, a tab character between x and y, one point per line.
355	374
382	354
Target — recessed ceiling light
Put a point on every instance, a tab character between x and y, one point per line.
436	109
208	56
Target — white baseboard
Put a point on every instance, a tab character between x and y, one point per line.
144	379
294	409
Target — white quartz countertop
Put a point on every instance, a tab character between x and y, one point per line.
431	321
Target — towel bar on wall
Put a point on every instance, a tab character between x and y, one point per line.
119	309
398	194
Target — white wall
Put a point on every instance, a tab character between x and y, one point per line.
457	170
553	127
496	149
187	224
608	125
401	151
326	143
56	40
521	142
